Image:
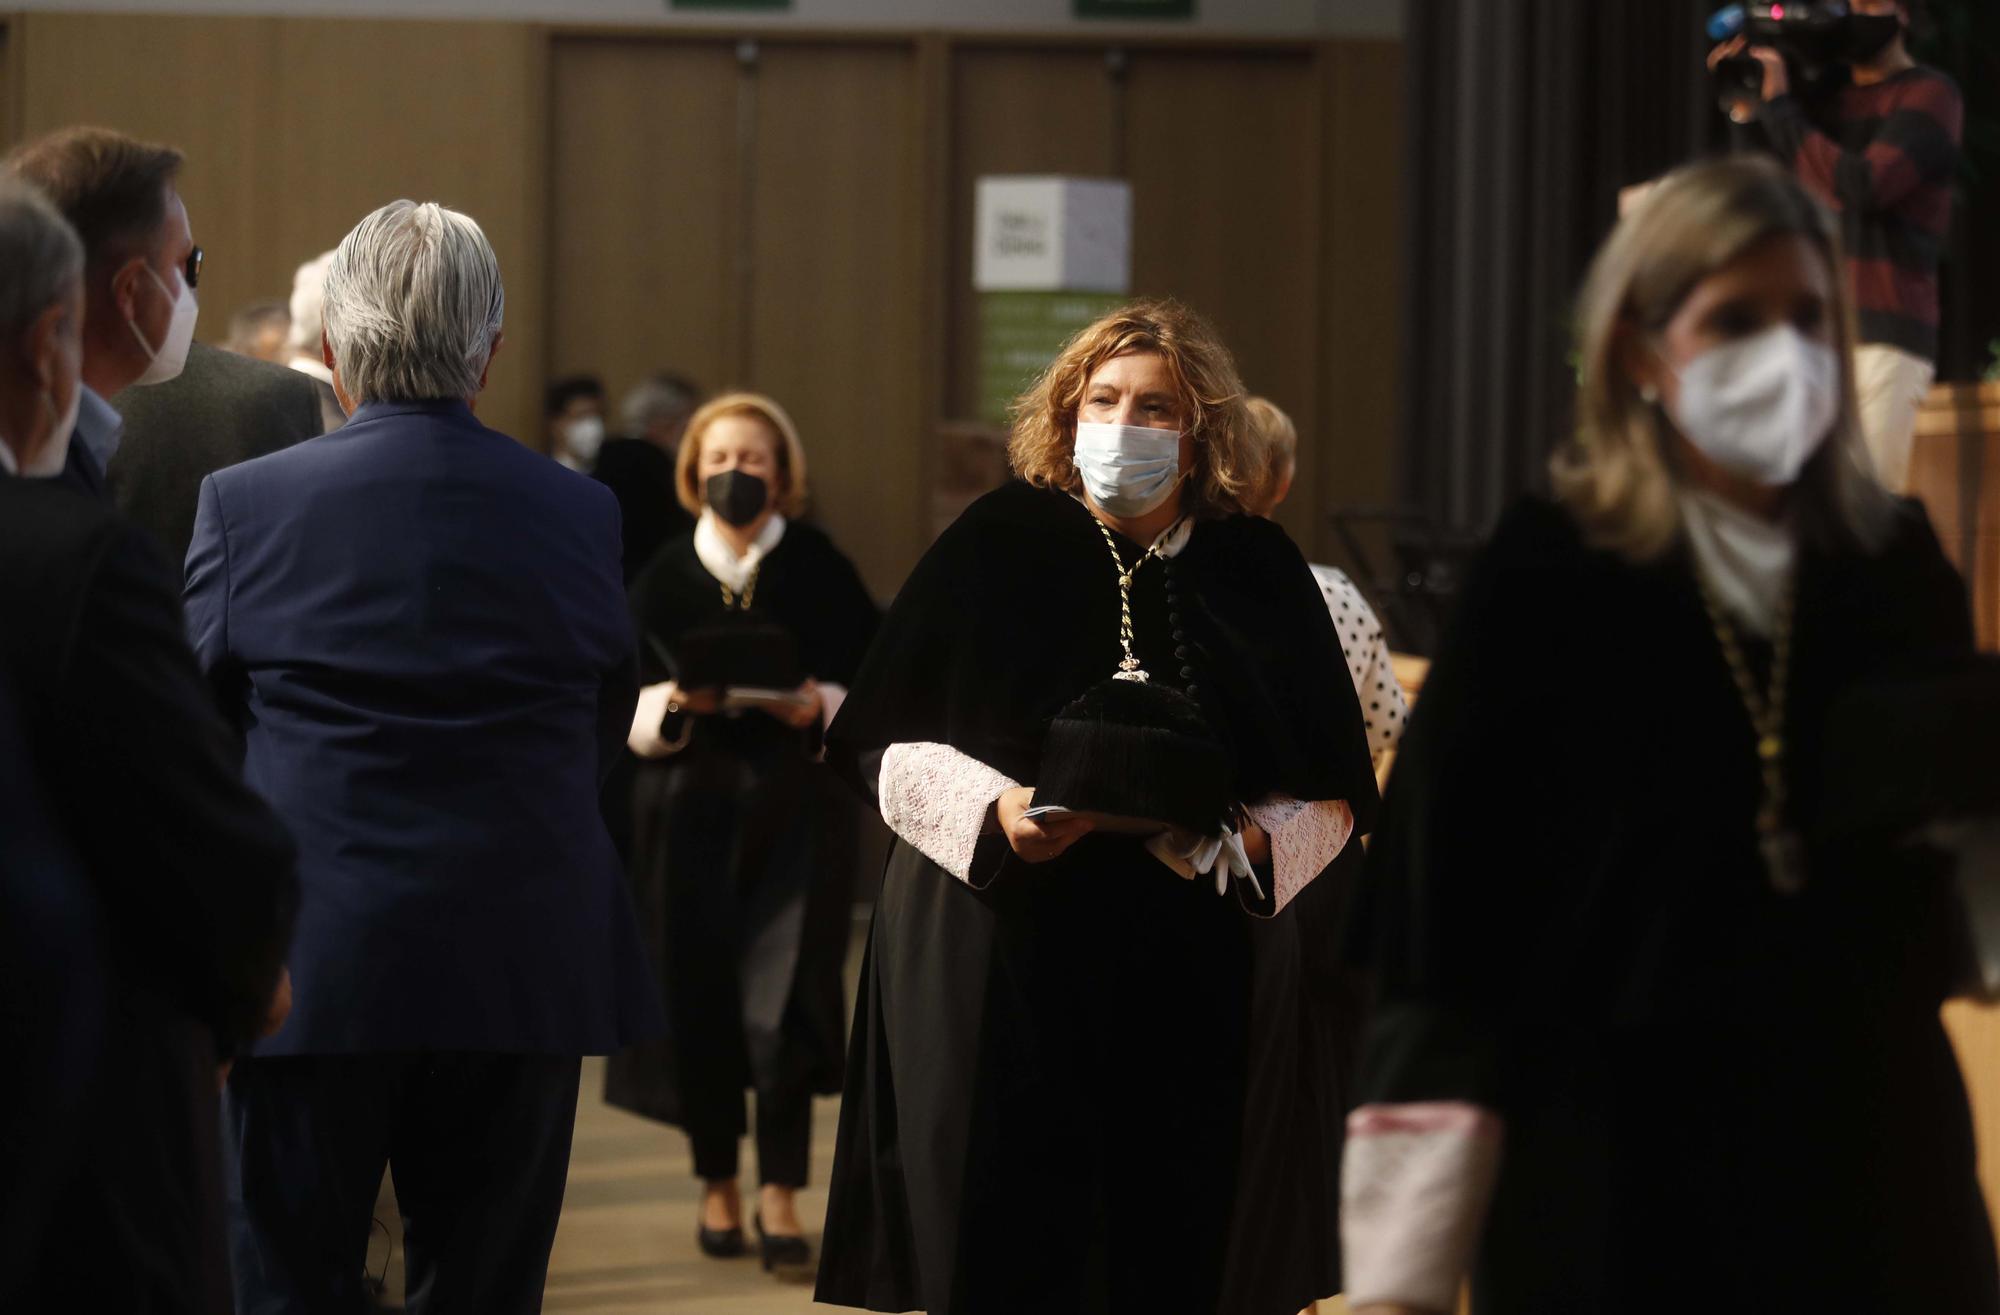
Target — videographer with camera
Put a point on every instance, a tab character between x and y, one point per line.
1877	139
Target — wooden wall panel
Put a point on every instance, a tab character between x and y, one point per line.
644	210
158	78
1222	152
1361	187
837	287
609	170
1015	111
441	112
295	128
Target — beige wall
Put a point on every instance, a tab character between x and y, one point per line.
802	228
295	128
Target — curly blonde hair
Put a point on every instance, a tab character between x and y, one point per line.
1616	473
1228	461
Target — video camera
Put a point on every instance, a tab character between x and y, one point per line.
1813	36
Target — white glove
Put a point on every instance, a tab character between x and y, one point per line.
1222	854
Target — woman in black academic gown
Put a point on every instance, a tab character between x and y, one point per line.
1657	1029
744	845
1078	1080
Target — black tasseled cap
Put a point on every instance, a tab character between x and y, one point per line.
1137	749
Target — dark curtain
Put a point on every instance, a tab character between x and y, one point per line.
1962	37
1525	118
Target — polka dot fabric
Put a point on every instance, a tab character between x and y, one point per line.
1367	651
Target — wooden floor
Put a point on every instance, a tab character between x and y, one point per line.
626	1242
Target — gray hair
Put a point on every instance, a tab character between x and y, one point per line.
658	397
413	304
308	305
40	254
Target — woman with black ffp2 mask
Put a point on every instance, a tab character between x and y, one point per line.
743	848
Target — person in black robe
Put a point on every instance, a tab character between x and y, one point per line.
1079	1080
744	845
1656	1025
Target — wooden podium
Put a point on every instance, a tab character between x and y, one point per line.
1955	471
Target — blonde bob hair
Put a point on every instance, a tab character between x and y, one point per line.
1617	474
1228	465
1278	439
789	494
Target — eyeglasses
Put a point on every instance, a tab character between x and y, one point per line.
192	270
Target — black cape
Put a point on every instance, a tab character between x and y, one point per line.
1706	1085
1085	1085
744	854
640	474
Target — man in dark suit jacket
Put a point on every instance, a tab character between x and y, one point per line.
422	625
170	953
192	872
220	410
56	985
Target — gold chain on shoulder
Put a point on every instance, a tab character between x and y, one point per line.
1766	709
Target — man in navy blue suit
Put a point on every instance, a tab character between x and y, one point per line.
420	626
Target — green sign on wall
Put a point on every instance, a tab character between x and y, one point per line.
1021	332
1135	8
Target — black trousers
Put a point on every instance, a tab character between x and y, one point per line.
478	1145
784	1139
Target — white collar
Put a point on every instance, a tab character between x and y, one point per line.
307	365
7	463
1744	560
721	561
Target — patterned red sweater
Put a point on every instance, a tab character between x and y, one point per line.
1883	156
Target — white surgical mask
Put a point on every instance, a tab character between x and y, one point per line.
1128	470
170	357
54	453
585	435
1760	407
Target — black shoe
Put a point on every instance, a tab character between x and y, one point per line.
720	1243
782	1251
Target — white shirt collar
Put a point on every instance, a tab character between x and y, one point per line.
721	561
307	365
1745	561
1174	538
7	464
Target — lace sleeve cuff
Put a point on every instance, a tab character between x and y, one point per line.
1415	1182
1305	837
936	799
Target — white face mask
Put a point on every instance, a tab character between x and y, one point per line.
1128	470
170	357
54	452
584	435
1760	407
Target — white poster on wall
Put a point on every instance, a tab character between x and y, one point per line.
1052	234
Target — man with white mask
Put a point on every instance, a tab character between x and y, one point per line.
141	267
189	873
574	410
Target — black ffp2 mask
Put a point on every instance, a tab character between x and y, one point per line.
737	496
